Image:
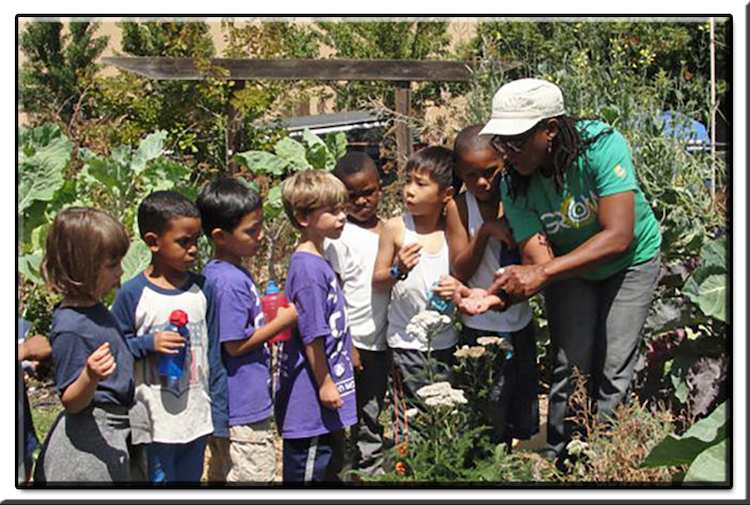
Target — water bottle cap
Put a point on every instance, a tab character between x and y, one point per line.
178	318
271	288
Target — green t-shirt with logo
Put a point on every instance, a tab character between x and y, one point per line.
570	219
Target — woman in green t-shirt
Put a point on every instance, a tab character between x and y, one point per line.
588	240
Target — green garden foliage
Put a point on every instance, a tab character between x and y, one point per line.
625	66
372	40
53	79
703	448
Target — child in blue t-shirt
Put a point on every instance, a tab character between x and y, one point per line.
232	217
316	398
174	420
94	368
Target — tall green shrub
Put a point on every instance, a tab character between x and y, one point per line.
58	66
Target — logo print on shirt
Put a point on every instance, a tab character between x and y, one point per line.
620	171
339	370
340	352
572	214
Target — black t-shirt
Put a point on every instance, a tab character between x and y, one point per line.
79	331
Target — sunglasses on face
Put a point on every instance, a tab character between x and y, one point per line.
516	143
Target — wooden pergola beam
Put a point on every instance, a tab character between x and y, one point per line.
400	72
185	69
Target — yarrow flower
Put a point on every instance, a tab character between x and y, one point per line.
578	447
427	324
503	343
441	394
411	413
469	352
485	341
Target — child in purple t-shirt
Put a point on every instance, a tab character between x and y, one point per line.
316	398
232	217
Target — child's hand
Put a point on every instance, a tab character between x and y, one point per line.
408	257
168	342
101	364
499	229
329	395
356	360
35	348
476	301
447	287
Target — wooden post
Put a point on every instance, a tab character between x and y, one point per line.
403	135
234	130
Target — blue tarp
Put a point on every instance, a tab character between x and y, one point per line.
682	127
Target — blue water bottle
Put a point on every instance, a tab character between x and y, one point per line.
172	366
434	302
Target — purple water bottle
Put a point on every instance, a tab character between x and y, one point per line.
172	366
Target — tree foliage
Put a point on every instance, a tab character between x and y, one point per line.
621	65
371	40
58	65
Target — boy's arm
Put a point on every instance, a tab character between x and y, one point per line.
217	374
124	311
390	254
327	391
285	317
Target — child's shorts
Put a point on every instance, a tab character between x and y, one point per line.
248	455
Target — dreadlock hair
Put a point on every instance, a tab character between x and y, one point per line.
567	146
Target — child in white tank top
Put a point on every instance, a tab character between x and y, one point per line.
413	264
480	243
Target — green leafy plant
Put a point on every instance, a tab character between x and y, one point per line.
687	355
702	449
44	154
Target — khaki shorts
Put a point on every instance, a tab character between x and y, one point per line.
248	455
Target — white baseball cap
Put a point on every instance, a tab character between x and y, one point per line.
519	105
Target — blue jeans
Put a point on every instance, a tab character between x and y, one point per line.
169	463
595	326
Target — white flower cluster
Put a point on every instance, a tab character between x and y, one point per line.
427	324
503	343
441	394
578	447
469	352
485	341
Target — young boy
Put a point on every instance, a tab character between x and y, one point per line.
175	423
316	399
232	217
480	241
412	257
353	259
